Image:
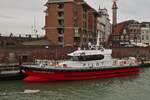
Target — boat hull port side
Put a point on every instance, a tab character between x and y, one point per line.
37	75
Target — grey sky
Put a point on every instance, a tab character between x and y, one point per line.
17	16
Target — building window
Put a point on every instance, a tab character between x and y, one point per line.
61	14
142	37
147	25
84	24
60	6
0	42
84	16
122	37
147	37
60	39
61	22
76	30
84	39
134	31
127	37
130	30
84	33
116	38
75	24
61	31
143	32
147	31
47	14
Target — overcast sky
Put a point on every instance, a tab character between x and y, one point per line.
17	16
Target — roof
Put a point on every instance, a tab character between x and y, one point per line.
114	5
91	52
57	1
37	42
24	41
81	2
121	26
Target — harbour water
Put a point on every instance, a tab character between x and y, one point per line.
125	88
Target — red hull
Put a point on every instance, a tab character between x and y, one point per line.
43	76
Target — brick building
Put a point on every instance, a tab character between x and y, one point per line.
70	22
14	47
145	33
27	49
126	32
103	26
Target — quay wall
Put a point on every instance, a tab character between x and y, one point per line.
29	54
138	52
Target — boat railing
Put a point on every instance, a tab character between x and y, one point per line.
131	61
44	63
8	64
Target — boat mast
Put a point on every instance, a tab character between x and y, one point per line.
35	30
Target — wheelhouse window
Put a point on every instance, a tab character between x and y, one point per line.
87	58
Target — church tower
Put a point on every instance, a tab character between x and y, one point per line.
114	13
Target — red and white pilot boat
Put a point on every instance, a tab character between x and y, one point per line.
84	64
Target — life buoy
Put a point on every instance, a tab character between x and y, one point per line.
125	62
65	66
56	65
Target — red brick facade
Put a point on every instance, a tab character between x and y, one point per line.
70	23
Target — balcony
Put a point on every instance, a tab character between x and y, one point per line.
61	23
61	35
60	27
61	44
76	35
60	17
62	9
45	11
